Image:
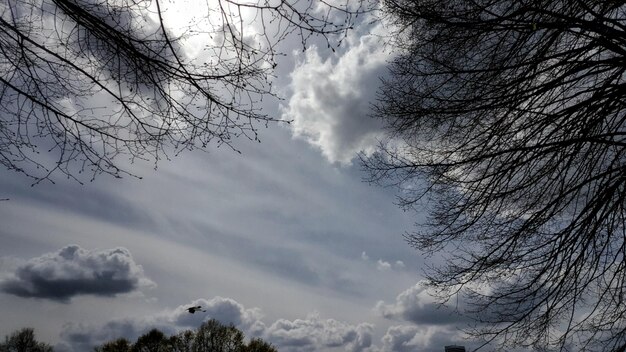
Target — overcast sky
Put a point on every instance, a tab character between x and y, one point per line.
283	240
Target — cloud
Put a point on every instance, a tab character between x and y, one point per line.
74	271
309	334
331	99
316	334
224	310
406	338
364	256
83	337
435	325
383	265
400	338
417	305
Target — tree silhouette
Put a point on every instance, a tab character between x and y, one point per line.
182	342
23	341
506	120
88	81
119	345
152	341
258	345
211	336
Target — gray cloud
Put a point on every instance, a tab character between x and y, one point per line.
416	305
331	100
100	201
82	337
73	271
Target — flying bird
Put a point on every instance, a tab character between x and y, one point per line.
195	309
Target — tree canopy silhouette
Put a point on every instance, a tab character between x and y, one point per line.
23	340
211	336
88	81
506	120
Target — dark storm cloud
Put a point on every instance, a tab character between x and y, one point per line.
416	305
73	271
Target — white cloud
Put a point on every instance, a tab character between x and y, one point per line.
405	338
400	338
382	265
73	271
332	98
316	334
364	256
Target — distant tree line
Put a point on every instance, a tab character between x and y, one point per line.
211	336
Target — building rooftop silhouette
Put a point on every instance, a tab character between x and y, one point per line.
454	348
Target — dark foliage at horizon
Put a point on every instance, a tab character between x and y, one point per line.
211	336
507	123
23	340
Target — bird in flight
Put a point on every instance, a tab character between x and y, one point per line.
195	309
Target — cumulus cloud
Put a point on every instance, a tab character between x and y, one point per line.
332	98
407	338
224	310
309	334
73	271
82	337
383	265
316	334
312	333
416	305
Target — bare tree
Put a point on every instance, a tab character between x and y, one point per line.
507	122
87	81
213	336
24	340
119	345
152	341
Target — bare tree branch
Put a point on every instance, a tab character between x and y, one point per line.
89	81
507	121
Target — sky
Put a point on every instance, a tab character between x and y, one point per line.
284	240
